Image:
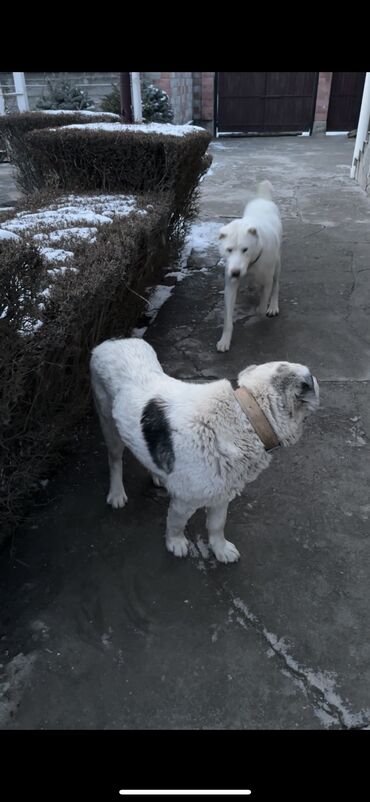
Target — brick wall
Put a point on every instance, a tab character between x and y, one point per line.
179	87
203	98
208	82
161	79
197	96
322	101
182	96
191	94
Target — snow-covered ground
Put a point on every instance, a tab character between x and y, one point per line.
201	237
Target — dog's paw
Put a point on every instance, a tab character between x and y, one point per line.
177	546
156	481
116	498
273	309
223	344
226	552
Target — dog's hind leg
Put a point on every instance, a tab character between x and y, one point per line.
223	550
231	291
265	297
273	307
179	513
116	496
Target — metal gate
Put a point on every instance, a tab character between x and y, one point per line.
265	102
345	100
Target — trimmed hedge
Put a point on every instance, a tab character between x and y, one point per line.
44	388
14	127
121	159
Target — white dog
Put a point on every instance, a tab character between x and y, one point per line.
203	442
251	245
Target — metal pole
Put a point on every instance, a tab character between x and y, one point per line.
136	97
125	94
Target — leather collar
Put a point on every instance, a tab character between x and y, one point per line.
257	417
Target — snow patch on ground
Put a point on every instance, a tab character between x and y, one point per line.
139	332
158	297
202	236
328	705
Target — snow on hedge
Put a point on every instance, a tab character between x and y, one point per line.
144	128
72	217
66	222
73	233
56	254
4	234
109	115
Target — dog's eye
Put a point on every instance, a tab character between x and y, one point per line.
230	250
245	250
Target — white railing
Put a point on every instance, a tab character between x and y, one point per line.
20	93
362	128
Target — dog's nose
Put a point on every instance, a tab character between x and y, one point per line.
235	273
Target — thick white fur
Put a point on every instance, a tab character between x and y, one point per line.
215	447
256	236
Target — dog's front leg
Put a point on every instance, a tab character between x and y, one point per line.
231	291
223	550
273	307
179	513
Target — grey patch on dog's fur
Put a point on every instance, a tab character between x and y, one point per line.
284	377
157	434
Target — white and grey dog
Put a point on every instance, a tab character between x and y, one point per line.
251	245
195	439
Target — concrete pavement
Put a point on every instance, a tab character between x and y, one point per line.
100	626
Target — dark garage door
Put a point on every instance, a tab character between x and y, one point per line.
345	100
265	102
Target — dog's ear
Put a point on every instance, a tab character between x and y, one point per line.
249	368
245	371
252	231
222	233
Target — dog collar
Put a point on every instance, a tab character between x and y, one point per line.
256	260
258	419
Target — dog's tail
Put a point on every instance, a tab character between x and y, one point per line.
264	190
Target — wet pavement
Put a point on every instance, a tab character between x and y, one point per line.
102	628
